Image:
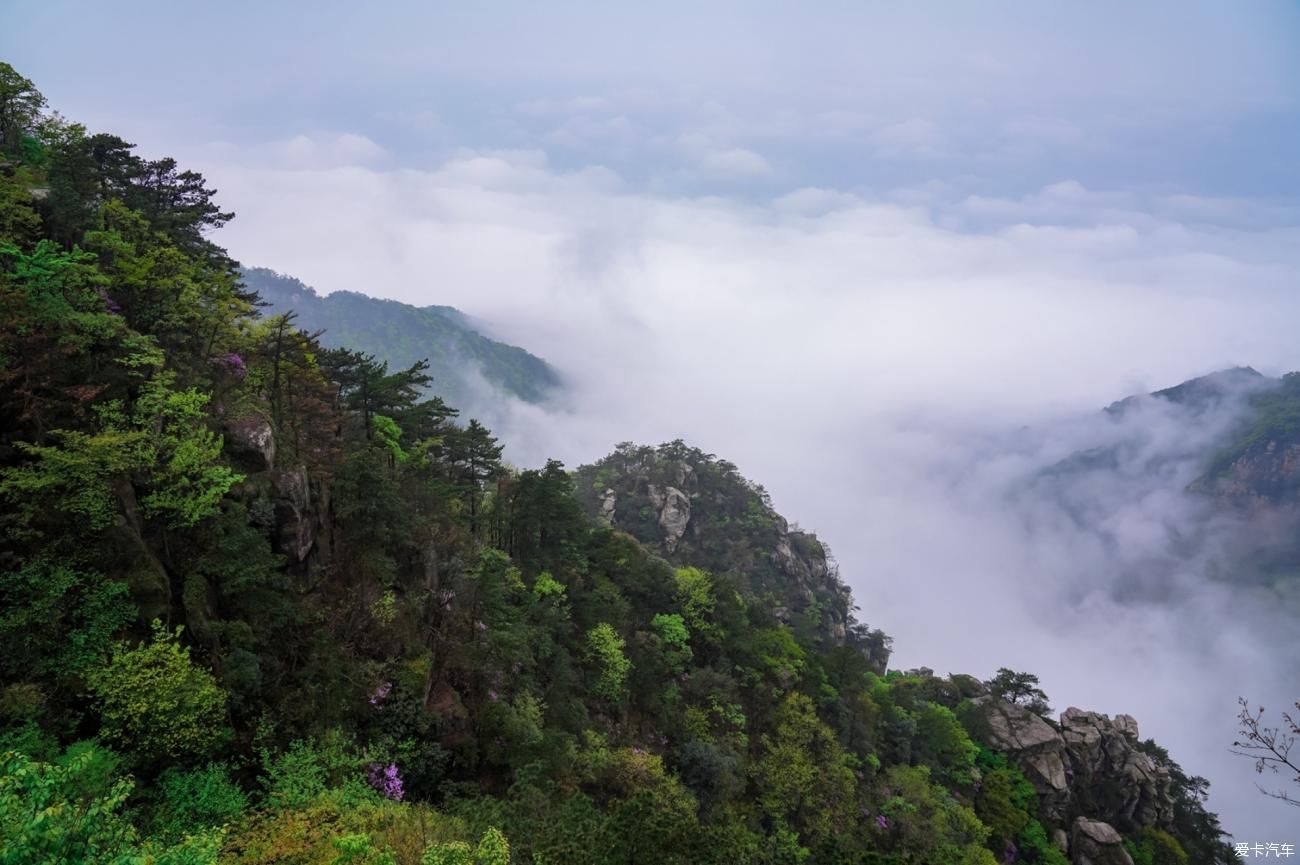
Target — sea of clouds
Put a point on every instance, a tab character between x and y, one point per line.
899	372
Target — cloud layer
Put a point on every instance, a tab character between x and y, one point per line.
870	362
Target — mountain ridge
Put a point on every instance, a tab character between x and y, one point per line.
461	358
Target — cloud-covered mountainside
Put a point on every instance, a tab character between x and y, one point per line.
1203	475
262	602
466	366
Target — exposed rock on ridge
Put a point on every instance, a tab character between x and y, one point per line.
1097	843
699	511
1087	767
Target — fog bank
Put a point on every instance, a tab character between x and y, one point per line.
898	372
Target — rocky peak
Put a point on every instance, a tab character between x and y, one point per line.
698	510
1086	768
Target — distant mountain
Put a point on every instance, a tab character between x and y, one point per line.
1255	460
1202	392
461	360
1229	442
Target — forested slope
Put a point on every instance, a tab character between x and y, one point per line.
465	366
263	602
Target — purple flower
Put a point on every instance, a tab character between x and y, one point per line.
379	694
482	626
233	362
882	821
387	780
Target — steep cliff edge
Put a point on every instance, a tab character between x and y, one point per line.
1096	779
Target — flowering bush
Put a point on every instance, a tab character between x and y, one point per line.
387	780
232	362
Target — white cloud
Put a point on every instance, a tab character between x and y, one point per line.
809	200
326	151
707	159
734	162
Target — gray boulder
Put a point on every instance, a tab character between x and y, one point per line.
1096	843
251	440
608	502
293	512
1114	779
674	516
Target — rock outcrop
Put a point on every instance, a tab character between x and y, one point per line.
1087	767
1036	746
674	513
699	511
293	511
250	441
1115	779
1096	843
608	503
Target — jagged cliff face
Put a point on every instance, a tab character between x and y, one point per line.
1089	765
1093	777
699	511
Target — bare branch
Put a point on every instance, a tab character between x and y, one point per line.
1269	747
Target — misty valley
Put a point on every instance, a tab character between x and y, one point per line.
323	554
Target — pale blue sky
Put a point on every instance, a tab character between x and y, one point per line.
1001	97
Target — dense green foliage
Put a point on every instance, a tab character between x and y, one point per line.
400	335
154	701
264	602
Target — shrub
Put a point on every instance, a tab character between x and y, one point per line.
156	702
190	799
605	649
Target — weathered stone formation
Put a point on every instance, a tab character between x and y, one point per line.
608	503
1096	843
1102	752
1089	774
674	509
294	515
286	499
250	441
1036	746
